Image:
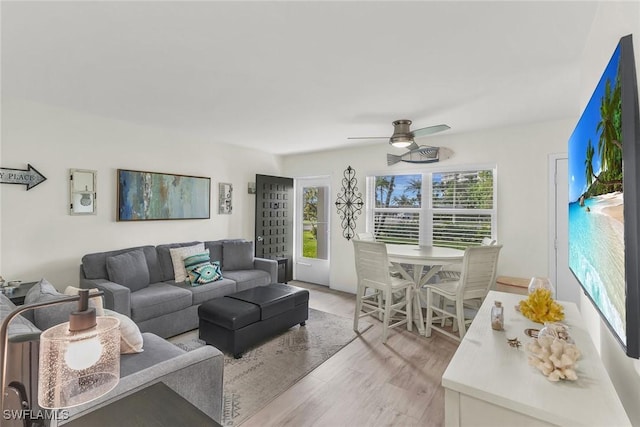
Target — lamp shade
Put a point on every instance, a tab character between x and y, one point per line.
77	367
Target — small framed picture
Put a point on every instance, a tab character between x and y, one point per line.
251	188
226	191
82	191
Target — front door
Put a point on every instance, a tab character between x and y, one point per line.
312	230
274	222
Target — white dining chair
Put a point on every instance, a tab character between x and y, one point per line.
367	237
373	274
452	271
488	241
477	277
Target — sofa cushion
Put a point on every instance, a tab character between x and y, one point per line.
210	291
156	350
49	316
129	269
94	266
237	255
130	336
164	258
19	325
41	291
215	250
158	299
177	259
246	279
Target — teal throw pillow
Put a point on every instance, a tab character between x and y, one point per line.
201	270
205	273
195	259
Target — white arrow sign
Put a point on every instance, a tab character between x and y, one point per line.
29	177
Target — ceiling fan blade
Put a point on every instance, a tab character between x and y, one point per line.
413	146
368	137
429	130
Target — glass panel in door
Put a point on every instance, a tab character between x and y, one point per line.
312	261
314	223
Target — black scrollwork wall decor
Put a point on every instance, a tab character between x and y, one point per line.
349	203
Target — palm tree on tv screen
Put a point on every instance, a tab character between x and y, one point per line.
588	162
609	144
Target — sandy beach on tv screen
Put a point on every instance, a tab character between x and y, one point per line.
611	205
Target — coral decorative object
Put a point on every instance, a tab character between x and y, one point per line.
555	358
540	307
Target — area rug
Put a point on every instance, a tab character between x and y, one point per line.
266	371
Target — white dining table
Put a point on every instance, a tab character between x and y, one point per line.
419	257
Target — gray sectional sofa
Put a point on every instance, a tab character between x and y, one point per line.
145	291
195	375
142	286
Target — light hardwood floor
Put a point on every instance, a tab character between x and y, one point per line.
367	383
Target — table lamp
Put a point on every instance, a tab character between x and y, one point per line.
79	360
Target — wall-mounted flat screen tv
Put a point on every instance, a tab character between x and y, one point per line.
604	192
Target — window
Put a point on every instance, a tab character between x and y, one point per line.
398	201
459	211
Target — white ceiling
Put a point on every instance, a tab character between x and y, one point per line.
287	77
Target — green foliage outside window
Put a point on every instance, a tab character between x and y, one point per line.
309	244
310	222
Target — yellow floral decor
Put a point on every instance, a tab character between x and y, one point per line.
540	307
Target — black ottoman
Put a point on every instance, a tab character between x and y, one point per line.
238	321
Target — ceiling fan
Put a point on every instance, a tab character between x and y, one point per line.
403	137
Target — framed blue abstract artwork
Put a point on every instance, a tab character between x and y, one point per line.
149	196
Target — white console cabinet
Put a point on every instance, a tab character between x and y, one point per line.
489	383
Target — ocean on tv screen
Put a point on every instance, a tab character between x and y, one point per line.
596	255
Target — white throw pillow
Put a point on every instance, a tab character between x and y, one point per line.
130	337
95	302
177	259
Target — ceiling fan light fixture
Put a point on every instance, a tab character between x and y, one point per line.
402	136
402	141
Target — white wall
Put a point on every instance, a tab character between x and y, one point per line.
38	236
520	154
613	20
